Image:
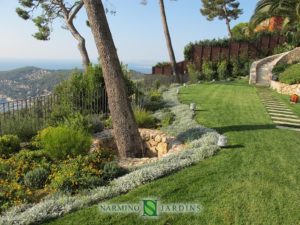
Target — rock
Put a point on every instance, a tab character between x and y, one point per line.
158	138
162	149
151	152
152	143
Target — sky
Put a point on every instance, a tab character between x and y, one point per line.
136	29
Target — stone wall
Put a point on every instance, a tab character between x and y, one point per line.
289	58
157	143
285	88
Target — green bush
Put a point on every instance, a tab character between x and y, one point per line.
194	74
84	172
208	71
223	70
25	127
153	100
144	119
36	179
167	119
63	141
74	175
285	47
112	170
291	75
9	144
236	69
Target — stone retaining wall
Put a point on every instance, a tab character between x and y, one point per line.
157	143
285	88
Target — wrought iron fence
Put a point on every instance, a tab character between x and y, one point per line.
35	111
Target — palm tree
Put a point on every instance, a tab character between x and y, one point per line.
265	9
126	133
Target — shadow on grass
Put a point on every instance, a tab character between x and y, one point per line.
233	146
191	134
244	128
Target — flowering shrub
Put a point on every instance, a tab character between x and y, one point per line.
9	144
83	172
30	175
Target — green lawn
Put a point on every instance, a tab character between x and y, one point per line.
256	180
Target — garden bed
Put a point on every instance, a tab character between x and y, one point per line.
200	143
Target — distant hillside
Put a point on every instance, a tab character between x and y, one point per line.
30	82
135	75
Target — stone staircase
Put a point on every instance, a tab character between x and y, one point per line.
282	116
261	71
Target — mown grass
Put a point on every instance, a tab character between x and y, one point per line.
256	180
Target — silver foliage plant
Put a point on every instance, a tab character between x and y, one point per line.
200	142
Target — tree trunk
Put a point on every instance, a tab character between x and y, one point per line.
168	40
228	28
227	21
126	132
81	45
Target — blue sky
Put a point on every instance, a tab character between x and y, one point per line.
137	31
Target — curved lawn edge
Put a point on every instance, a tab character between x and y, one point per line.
202	143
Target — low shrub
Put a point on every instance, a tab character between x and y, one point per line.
290	75
167	118
25	127
194	74
84	172
154	96
36	179
209	71
112	170
9	144
144	119
63	141
285	47
236	69
108	123
153	100
223	70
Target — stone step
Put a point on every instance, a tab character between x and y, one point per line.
288	128
285	119
296	125
284	115
279	108
275	104
282	112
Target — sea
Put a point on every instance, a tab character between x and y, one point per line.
10	64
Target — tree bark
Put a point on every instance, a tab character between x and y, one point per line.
168	40
69	16
228	28
81	45
227	22
126	132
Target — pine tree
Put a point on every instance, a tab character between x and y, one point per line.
227	10
50	10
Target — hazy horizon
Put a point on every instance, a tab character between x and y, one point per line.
64	64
